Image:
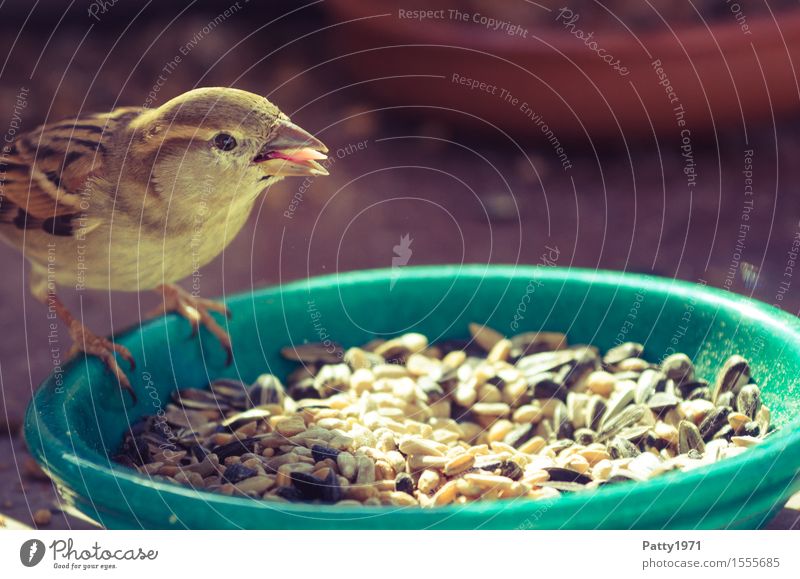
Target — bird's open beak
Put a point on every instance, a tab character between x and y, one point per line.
292	151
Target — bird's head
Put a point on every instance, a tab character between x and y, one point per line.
231	141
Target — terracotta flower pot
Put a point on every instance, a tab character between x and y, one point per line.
615	81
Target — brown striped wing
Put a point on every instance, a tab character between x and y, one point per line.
43	174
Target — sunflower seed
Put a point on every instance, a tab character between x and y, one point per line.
562	424
595	411
310	487
726	432
624	395
520	435
359	359
320	452
237	472
199	400
564	486
544	362
627	417
678	367
621	477
620	448
323	353
734	374
661	401
634	434
585	436
401	347
303	390
228	388
290	494
529	343
748	401
763	418
689	438
646	385
751	428
622	352
510	469
235	448
332	379
585	363
545	386
267	389
559	474
700	393
715	420
726	399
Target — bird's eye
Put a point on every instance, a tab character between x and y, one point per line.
225	142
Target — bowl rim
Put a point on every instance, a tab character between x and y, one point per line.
58	459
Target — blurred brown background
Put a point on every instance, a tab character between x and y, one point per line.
465	192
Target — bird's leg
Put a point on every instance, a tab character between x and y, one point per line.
197	310
86	341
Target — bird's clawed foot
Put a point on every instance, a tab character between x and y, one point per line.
103	348
198	311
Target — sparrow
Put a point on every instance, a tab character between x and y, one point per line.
139	198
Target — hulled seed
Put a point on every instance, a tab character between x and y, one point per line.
347	464
459	464
446	494
428	481
402	422
366	471
601	383
737	420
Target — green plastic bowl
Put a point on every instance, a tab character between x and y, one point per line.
76	419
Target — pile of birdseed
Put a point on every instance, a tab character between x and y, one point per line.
405	423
